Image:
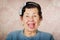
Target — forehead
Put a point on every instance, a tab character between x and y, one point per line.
31	10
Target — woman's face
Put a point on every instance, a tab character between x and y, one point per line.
31	19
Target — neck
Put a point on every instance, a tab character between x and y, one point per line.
29	33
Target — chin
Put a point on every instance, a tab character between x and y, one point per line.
31	29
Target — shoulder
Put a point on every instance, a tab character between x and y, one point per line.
12	35
45	35
14	32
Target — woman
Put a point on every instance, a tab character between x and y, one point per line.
31	17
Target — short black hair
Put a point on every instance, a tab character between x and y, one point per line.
32	5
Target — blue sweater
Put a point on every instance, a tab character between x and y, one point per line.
18	35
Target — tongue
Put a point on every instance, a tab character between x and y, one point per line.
31	26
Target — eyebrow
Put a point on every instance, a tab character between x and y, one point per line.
28	13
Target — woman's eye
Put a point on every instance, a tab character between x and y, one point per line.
35	16
27	16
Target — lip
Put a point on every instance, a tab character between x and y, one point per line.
31	25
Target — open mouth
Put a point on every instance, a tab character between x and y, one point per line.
31	25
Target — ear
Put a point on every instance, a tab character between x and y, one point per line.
21	18
40	19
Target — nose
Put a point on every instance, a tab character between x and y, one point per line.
31	18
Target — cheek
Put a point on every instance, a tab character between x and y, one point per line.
36	20
25	20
